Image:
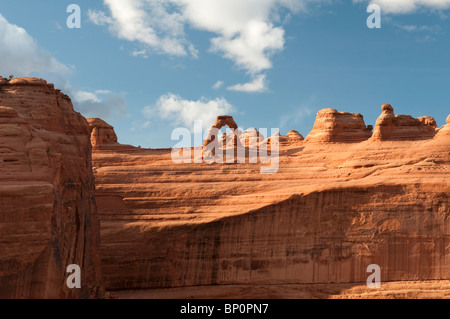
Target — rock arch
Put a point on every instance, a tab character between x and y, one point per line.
221	121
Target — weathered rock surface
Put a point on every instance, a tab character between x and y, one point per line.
402	127
339	202
276	139
295	135
251	138
101	132
331	210
48	217
334	126
222	120
444	131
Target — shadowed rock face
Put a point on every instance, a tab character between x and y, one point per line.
333	236
48	216
334	126
402	127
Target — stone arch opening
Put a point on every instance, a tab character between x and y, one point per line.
221	121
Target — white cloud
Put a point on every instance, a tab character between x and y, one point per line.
142	53
84	96
139	125
184	112
103	92
217	85
259	84
252	48
148	22
90	104
244	31
408	28
418	28
100	103
409	6
20	55
99	17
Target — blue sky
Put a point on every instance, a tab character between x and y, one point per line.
149	66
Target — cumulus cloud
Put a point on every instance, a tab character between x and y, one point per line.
409	6
217	85
101	103
20	54
243	31
148	22
252	48
259	84
419	28
184	112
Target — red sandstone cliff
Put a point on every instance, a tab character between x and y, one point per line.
340	201
48	215
343	198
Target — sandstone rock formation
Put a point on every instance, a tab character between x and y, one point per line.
444	131
276	139
48	216
339	202
334	126
295	136
402	127
101	132
331	210
222	120
251	137
428	121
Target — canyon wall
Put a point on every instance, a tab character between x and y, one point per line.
48	215
331	210
342	199
322	237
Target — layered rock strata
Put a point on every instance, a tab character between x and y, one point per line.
331	210
334	126
402	127
48	216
